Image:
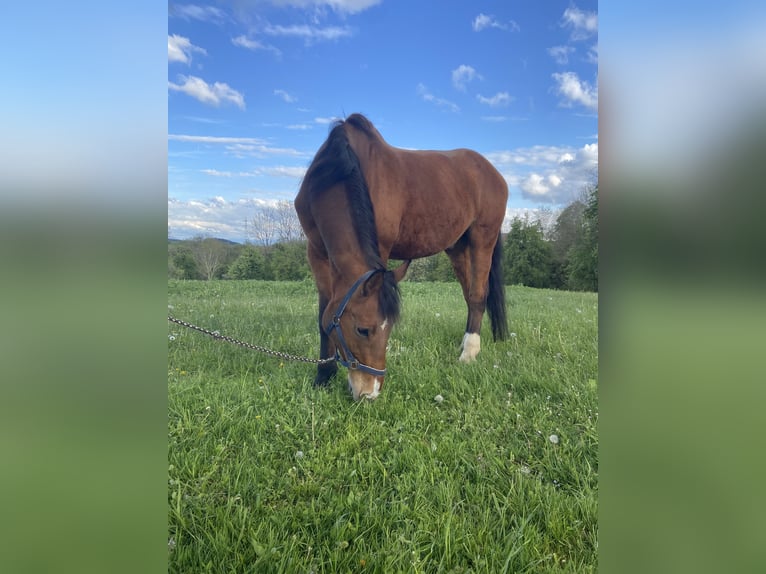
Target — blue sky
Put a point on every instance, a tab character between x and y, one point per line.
254	85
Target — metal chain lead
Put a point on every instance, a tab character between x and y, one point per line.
217	335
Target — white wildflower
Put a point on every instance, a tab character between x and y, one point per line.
554	439
439	398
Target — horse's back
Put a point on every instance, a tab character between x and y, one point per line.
426	200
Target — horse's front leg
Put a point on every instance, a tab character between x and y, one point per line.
320	267
325	371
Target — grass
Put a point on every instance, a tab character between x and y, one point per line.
267	474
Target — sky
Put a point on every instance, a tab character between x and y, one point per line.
254	85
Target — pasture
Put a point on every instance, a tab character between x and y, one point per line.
487	467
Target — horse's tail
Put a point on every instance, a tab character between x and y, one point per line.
496	294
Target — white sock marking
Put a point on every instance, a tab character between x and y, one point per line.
471	347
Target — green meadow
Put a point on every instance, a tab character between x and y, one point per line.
488	467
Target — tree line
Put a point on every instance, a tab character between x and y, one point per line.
563	255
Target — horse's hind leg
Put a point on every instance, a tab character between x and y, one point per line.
320	266
472	263
462	263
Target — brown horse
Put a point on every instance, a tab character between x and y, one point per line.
362	202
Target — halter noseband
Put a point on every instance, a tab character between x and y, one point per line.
351	362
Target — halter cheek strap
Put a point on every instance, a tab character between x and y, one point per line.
350	361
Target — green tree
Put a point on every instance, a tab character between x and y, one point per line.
528	257
567	230
182	264
288	262
251	264
583	256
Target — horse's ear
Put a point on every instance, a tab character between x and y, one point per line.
372	284
401	270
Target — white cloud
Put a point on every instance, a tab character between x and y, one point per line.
499	99
283	171
548	174
575	90
299	127
483	21
427	96
309	33
215	217
240	146
554	180
583	24
534	185
261	150
462	75
272	171
339	6
216	173
289	98
214	139
561	53
504	118
245	42
326	121
593	54
194	12
180	49
213	94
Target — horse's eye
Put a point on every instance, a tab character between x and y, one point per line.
362	332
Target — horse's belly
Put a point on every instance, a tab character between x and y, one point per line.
425	241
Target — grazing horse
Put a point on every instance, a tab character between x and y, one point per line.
363	201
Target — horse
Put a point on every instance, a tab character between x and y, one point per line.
363	202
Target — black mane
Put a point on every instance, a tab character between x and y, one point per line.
336	163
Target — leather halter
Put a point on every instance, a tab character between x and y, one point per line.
350	361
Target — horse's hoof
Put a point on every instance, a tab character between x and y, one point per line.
322	379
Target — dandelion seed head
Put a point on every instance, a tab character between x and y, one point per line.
554	439
439	399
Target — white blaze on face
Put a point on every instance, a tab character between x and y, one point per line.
375	389
384	325
471	347
357	392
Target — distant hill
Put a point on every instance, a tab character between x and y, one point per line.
226	241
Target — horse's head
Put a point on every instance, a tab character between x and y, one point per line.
359	322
